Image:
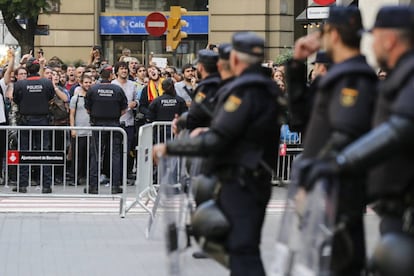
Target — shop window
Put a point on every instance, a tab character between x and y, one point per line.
123	4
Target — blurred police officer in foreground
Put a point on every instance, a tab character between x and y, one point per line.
301	94
342	112
106	103
202	106
32	96
388	149
240	146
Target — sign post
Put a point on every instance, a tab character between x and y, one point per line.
156	24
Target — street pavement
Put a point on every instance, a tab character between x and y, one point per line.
72	236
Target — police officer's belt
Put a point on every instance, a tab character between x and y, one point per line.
239	171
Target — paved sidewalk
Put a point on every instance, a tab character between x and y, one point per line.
102	244
56	238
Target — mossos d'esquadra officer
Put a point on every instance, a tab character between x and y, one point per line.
106	103
32	97
240	147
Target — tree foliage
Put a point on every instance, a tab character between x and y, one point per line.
283	57
27	10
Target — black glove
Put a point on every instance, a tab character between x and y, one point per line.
300	170
320	169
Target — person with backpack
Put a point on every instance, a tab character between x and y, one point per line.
59	116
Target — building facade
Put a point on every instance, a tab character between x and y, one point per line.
271	19
74	26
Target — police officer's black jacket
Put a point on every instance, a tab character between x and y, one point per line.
105	102
223	93
203	105
390	144
343	107
396	97
301	96
33	95
163	108
245	130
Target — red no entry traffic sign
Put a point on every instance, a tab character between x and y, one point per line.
156	24
324	2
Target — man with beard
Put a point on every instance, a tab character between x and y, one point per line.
185	87
151	91
133	67
342	112
127	120
388	149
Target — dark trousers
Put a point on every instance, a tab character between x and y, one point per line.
36	144
348	248
243	201
114	153
79	156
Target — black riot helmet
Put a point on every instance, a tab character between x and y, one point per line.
203	188
209	221
394	255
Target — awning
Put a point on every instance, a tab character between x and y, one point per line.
315	13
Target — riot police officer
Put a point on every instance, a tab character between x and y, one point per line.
342	112
32	96
387	150
202	106
106	103
240	148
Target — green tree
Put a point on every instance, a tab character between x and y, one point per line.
29	10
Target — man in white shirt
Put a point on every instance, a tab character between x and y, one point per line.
127	120
185	88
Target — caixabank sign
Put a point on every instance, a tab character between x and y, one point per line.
111	24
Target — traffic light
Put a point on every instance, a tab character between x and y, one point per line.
174	33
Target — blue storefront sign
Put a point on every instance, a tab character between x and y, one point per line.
135	25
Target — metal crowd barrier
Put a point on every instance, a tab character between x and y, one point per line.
147	175
288	149
43	151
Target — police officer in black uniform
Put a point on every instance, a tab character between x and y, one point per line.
301	94
32	96
342	112
105	103
240	146
164	107
388	149
226	74
202	107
